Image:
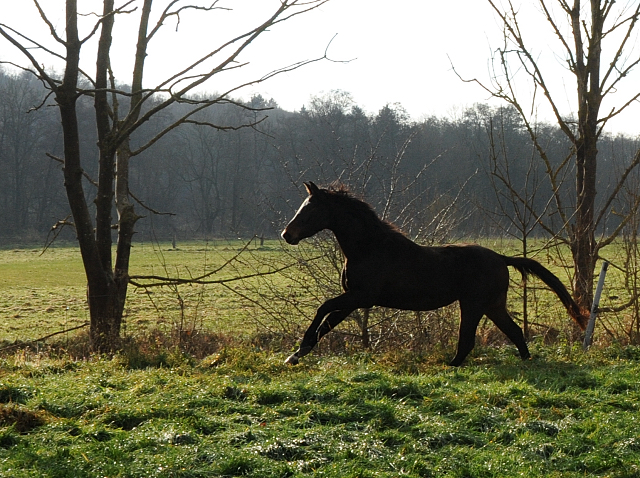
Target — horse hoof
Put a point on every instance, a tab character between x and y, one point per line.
292	360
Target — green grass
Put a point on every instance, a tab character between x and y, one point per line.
154	411
242	413
40	293
44	293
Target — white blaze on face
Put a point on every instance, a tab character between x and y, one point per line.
304	203
290	234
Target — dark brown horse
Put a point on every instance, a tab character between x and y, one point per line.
385	268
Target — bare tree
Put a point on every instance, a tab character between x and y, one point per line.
514	198
596	39
120	112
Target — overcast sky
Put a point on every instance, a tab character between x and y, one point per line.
399	52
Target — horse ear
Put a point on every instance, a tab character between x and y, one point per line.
311	188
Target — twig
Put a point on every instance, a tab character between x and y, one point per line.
162	281
44	338
150	209
84	173
56	229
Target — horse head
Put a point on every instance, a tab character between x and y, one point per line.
313	216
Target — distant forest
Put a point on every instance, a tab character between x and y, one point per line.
434	177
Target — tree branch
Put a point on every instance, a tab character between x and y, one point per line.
159	281
169	281
41	73
84	173
151	210
52	29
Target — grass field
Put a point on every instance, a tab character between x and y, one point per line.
242	413
41	294
45	293
155	410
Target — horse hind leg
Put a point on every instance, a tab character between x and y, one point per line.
470	316
505	323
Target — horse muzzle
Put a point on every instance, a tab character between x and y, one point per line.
290	238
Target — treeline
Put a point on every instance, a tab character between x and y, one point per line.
238	169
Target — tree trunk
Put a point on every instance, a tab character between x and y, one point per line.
106	305
583	243
105	293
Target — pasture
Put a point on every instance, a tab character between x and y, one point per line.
42	294
233	409
244	413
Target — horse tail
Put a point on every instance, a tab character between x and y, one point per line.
529	266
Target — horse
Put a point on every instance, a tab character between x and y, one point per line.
385	268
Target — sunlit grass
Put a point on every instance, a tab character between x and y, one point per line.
44	293
241	413
156	411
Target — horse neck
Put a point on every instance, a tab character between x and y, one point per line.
355	234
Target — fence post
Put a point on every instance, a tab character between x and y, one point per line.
594	308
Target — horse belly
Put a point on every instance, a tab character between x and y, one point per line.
409	279
417	292
407	301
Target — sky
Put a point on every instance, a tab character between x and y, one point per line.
382	52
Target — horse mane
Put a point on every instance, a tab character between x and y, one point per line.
348	200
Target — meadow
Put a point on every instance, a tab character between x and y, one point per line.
231	408
45	293
243	413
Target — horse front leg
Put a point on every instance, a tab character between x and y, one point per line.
337	310
312	337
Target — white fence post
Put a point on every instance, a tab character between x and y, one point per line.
594	308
